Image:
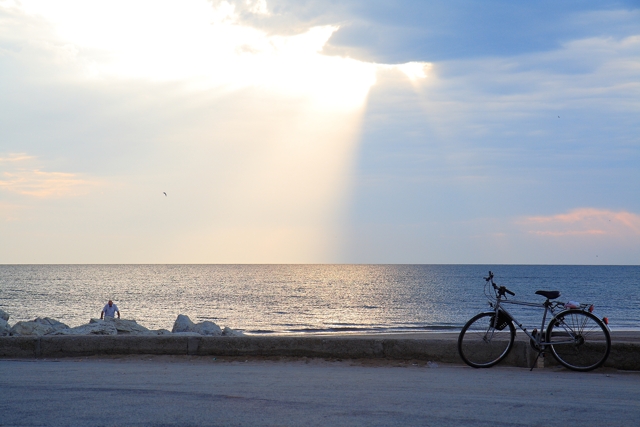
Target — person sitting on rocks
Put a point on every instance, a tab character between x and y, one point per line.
109	310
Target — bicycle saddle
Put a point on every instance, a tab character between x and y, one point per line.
549	294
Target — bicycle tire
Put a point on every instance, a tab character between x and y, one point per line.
578	340
481	345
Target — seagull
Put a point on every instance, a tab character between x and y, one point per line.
165	194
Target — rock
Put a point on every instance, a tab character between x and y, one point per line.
56	325
4	315
162	332
95	327
183	324
31	328
208	328
228	332
129	327
108	326
5	329
37	327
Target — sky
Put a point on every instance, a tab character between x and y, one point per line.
319	131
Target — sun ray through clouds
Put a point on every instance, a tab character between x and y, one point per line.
265	126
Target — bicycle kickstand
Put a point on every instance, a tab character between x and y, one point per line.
535	362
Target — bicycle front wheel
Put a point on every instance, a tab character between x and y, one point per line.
579	340
481	345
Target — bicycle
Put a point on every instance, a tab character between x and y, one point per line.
578	338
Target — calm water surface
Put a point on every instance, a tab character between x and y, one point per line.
307	298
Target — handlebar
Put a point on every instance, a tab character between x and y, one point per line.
500	290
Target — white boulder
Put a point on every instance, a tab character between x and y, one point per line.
5	329
95	327
228	332
55	325
208	328
129	327
184	324
30	328
37	327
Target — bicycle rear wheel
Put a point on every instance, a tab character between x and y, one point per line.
579	340
481	345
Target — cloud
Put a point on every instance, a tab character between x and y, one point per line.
436	30
193	43
15	157
281	17
250	115
584	222
17	175
252	136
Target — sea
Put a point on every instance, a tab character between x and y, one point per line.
309	299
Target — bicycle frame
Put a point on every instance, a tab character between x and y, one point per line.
549	307
556	308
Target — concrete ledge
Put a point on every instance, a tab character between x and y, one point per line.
291	347
72	346
19	347
623	355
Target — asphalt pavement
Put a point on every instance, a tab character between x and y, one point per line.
207	391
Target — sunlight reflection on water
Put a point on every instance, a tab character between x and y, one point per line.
302	298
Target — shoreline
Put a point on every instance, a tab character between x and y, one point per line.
627	335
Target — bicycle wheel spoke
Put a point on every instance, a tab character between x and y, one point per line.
579	340
481	345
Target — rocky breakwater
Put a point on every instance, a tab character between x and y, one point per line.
5	329
184	326
108	326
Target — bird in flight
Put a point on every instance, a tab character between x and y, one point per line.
165	194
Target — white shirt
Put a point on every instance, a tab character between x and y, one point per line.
110	311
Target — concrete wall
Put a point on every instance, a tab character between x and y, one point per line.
623	355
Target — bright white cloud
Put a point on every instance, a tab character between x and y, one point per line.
208	48
252	135
415	70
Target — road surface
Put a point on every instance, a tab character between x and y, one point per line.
200	391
